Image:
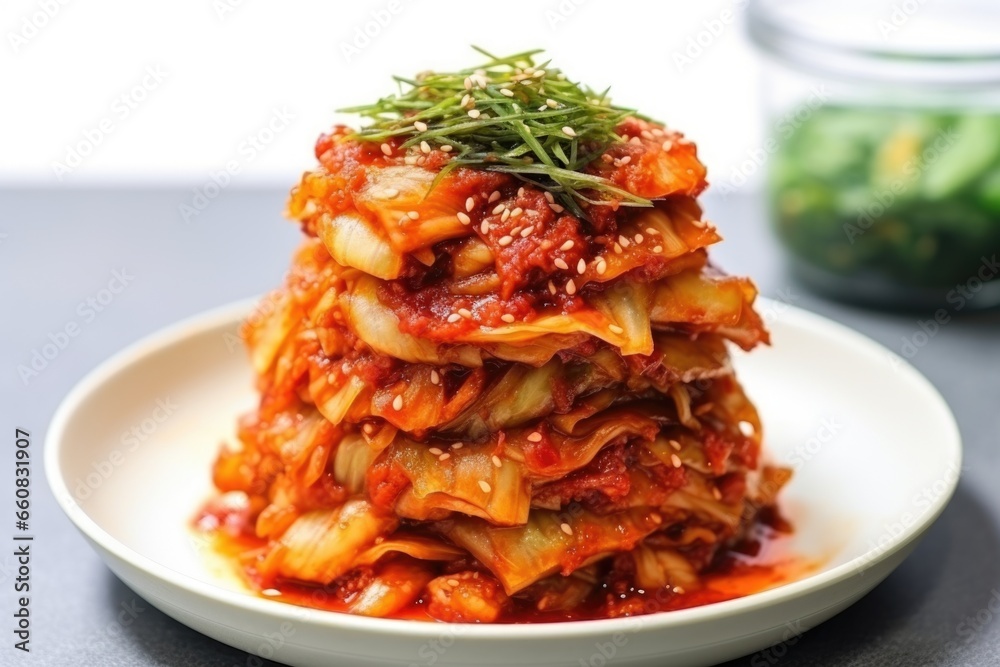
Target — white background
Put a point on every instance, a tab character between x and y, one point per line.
227	65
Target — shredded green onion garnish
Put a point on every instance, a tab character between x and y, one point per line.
511	115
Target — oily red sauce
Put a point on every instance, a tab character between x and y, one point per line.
761	561
601	484
531	239
385	483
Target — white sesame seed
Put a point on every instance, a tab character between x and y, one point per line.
497	462
542	108
560	263
387	149
569	131
639	238
453	582
420	125
626	159
550	103
468	83
507	317
570	287
566	528
390	193
700	224
635	140
676	445
505	215
616	329
549	198
270	592
552	287
410	159
454	317
516	212
505	241
607	158
567	246
470	204
657	249
526	232
667	145
746	428
465	312
581	267
624	241
678	590
534	436
485	227
499	208
435	377
465	100
602	266
618	249
402	221
412	215
368	428
494	196
646	134
463	218
657	519
676	460
425	147
444	457
458	445
716	494
397	403
435	451
507	92
652	232
474	113
557	208
484	485
446	148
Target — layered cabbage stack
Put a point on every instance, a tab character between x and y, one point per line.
495	385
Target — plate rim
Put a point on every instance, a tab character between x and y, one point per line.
233	313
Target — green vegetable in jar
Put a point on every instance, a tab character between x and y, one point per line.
910	196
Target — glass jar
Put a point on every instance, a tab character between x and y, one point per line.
884	146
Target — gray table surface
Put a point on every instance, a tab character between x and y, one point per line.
57	249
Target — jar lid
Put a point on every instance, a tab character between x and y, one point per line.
918	41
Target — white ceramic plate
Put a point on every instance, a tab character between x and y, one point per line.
875	449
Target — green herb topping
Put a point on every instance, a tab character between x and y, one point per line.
509	115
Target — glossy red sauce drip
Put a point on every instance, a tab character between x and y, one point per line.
760	562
